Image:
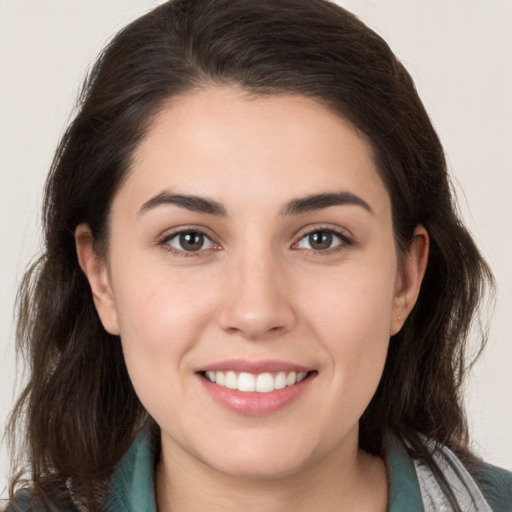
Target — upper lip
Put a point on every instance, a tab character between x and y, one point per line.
252	366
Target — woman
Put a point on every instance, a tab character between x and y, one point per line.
256	290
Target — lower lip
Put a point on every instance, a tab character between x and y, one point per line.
256	404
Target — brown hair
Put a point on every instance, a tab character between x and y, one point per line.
79	406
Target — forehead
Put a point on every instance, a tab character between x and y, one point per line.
243	148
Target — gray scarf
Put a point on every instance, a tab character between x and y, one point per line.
466	491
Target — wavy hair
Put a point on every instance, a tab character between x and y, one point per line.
78	411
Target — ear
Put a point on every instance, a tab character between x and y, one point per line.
410	277
96	270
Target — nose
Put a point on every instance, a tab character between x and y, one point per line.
258	299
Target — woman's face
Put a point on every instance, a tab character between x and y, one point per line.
252	245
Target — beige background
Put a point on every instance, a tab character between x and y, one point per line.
460	55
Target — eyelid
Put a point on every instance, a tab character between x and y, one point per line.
342	234
167	236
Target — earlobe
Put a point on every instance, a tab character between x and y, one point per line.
95	269
410	278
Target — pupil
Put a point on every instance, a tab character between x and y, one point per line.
191	241
320	240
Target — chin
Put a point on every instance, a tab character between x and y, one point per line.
261	459
262	467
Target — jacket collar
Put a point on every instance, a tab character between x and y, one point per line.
132	488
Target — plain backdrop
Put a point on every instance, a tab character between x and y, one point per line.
459	53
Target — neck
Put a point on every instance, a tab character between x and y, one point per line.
343	480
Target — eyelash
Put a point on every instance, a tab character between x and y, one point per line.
344	241
164	242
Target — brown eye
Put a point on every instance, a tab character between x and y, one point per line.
190	241
320	240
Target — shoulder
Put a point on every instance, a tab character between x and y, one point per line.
415	486
22	503
131	489
496	486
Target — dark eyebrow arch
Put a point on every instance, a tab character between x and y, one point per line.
321	201
192	203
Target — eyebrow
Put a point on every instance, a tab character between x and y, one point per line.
321	201
192	203
295	207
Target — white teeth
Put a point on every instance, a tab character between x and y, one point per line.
265	383
280	381
291	379
261	383
246	382
230	381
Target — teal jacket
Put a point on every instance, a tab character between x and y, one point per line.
132	488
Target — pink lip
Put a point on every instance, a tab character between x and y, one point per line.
267	365
255	404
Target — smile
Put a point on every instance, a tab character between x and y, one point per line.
256	388
255	383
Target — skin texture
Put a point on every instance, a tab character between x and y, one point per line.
256	290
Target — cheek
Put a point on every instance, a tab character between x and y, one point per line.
160	320
157	305
354	305
351	316
163	314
